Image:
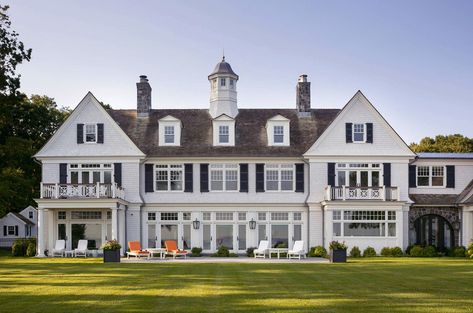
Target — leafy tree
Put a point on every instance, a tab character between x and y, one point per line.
444	143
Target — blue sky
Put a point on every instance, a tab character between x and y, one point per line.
412	59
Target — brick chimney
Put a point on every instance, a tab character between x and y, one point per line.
303	95
143	90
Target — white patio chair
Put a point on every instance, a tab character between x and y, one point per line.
59	249
81	249
262	249
297	250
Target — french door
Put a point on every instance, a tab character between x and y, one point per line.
231	235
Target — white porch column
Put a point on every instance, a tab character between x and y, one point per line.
403	227
315	226
41	238
114	223
121	233
50	229
467	225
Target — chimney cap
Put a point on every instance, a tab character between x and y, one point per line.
303	78
143	79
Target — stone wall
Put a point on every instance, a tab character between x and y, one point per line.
451	214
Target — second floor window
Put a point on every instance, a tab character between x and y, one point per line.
90	173
169	177
223	134
358	132
278	134
430	176
90	134
358	174
168	134
30	215
223	177
279	177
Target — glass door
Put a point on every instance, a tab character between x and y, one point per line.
241	238
152	236
90	232
207	237
279	236
168	232
224	236
186	236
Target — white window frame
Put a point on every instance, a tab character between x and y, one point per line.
223	130
12	232
223	121
279	168
338	217
91	168
358	132
431	175
168	169
224	168
280	133
348	167
169	130
278	120
95	132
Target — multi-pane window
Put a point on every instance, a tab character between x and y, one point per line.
169	177
61	215
222	82
90	173
358	132
223	177
86	215
232	83
358	174
279	177
364	223
206	216
278	133
186	216
169	216
297	216
279	216
223	134
224	216
241	216
430	176
151	216
11	230
109	215
262	216
90	133
30	215
168	134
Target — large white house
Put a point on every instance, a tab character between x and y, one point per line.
230	176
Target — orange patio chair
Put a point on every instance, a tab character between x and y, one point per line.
135	250
171	249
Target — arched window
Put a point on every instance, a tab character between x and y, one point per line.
434	230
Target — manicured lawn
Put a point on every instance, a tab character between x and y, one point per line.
371	285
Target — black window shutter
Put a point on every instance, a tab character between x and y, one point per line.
331	174
369	132
412	176
16	230
450	176
80	133
300	177
63	173
188	176
149	186
348	132
244	177
204	178
260	177
100	133
387	174
5	230
117	168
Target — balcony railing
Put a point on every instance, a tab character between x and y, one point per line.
81	191
362	193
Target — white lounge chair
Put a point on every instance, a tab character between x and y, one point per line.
262	249
297	250
59	249
81	249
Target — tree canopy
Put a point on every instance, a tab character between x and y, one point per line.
444	143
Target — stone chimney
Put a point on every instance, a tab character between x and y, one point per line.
303	95
143	90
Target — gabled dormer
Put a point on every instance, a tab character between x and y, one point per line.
170	131
278	132
223	131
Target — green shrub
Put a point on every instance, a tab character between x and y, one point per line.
318	251
386	251
249	252
31	250
416	251
369	252
396	252
335	245
458	252
430	251
233	255
222	252
112	245
20	246
469	250
196	251
419	251
355	252
408	249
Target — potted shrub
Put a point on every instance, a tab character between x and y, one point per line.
338	252
196	251
111	251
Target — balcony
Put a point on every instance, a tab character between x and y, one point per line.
362	193
81	191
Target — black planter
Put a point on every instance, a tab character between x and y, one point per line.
338	256
111	256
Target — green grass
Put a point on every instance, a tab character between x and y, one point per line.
365	285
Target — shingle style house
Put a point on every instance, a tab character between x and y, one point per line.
230	176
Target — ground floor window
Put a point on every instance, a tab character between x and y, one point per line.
434	230
364	223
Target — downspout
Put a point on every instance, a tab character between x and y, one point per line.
307	205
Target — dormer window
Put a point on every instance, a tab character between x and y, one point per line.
277	129
359	133
222	82
90	134
223	134
169	134
278	133
169	131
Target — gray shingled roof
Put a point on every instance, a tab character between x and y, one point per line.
250	136
441	155
24	219
434	199
223	68
464	193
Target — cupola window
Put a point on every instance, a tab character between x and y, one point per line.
222	82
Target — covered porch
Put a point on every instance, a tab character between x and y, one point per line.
94	220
